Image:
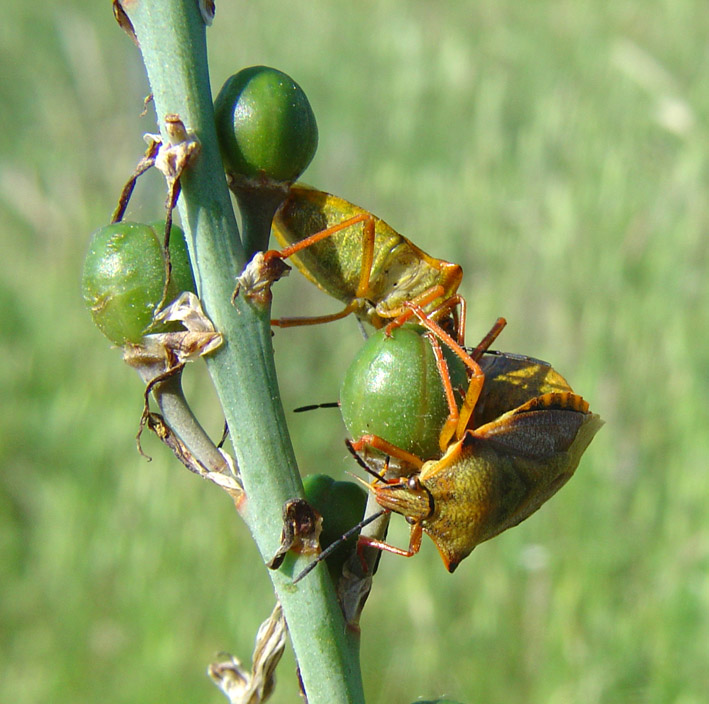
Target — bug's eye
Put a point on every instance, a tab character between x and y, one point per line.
413	483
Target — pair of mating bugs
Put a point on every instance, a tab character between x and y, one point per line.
517	435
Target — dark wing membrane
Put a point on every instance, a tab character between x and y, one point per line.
540	428
540	446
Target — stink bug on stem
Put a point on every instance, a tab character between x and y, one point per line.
518	439
360	260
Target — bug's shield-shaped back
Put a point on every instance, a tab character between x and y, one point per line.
510	382
502	472
400	271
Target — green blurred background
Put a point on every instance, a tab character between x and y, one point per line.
559	151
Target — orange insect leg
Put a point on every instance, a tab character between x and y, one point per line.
414	543
457	306
365	272
316	237
421	300
367	257
485	343
476	383
444	337
451	422
377	443
314	320
477	377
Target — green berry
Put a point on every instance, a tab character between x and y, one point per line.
124	276
341	504
393	389
265	125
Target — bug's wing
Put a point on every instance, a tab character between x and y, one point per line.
504	471
510	382
539	428
305	212
542	441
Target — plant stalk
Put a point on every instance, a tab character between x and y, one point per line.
173	44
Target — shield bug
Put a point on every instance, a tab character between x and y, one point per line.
501	462
360	260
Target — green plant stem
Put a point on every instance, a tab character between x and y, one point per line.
257	206
172	39
177	414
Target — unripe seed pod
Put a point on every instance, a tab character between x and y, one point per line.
265	125
341	504
393	389
124	277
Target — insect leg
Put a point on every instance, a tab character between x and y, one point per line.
457	306
367	257
377	443
419	301
365	272
485	343
314	320
316	237
451	422
414	543
477	377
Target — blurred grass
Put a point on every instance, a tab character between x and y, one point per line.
559	151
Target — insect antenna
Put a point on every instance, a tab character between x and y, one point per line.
364	465
334	545
313	406
225	435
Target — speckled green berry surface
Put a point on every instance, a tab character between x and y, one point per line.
393	389
124	276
